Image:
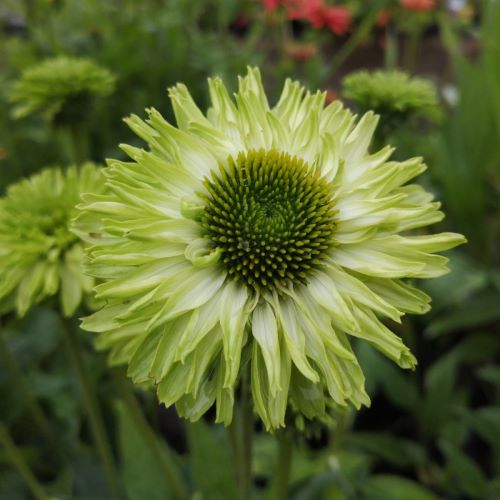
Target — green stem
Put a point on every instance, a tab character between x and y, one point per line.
22	385
357	37
285	451
78	143
240	434
391	49
93	411
411	49
175	481
17	460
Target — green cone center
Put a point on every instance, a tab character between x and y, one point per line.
272	217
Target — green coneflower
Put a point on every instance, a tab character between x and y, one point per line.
257	238
62	89
394	95
39	255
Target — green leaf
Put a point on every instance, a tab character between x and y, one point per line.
490	373
482	310
464	475
486	422
465	279
438	403
389	487
478	347
211	461
142	476
39	336
397	451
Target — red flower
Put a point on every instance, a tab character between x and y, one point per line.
338	19
318	14
271	5
306	10
418	5
331	95
383	18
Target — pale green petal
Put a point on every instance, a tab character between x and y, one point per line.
294	337
194	292
201	255
235	309
71	291
401	295
306	396
193	408
383	339
359	292
165	354
30	288
224	396
325	292
265	332
185	109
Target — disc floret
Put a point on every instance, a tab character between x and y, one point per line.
271	216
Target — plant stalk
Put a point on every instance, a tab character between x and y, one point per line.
14	455
22	385
171	472
285	451
240	434
357	37
94	414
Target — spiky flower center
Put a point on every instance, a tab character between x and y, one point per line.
272	218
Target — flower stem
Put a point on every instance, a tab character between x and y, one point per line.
93	411
240	434
24	388
171	472
357	37
78	143
285	451
17	460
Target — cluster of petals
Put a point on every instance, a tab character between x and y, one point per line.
316	12
173	314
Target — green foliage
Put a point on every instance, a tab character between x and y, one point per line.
142	476
61	89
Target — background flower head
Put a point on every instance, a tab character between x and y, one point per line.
62	88
394	95
39	256
257	238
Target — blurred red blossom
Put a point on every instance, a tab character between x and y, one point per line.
383	18
316	12
271	5
338	19
418	5
331	95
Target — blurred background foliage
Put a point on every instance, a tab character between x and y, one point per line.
433	433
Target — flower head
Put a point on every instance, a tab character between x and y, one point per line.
395	95
39	255
257	238
62	89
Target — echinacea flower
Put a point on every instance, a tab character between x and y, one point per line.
257	240
394	95
39	256
62	88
